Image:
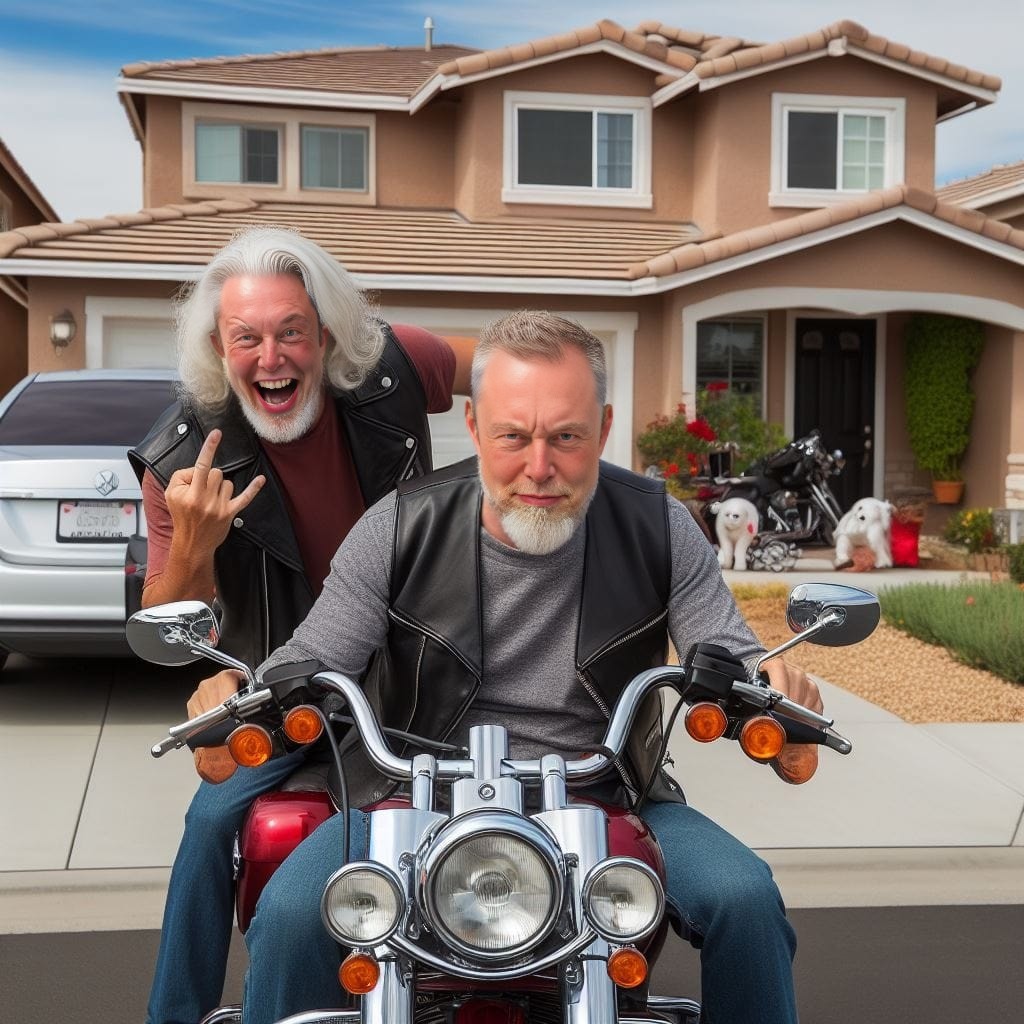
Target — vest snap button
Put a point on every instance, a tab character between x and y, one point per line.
385	382
182	428
410	442
238	522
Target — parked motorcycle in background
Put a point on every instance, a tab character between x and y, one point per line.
490	911
790	489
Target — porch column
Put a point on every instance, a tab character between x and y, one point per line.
1015	459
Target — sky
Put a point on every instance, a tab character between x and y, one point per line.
59	61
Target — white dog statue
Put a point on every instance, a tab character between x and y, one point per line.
867	524
736	525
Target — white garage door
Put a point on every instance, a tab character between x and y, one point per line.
135	343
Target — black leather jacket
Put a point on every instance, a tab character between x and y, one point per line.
261	583
434	654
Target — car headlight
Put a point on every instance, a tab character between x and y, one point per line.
362	904
492	885
623	899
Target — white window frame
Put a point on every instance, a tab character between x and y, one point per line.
639	196
289	122
892	109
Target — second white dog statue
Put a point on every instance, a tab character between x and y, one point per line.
867	524
736	525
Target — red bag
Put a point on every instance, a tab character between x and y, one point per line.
903	538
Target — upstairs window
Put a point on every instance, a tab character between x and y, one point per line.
577	150
827	148
335	158
237	153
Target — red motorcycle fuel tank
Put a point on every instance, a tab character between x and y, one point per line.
275	825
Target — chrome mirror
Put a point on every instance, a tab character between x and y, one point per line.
173	634
844	615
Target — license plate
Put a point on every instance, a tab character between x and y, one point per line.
96	521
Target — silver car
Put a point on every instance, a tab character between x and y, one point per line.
69	501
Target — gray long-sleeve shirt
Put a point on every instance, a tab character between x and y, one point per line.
530	618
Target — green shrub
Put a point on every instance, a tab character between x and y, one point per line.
981	624
973	528
737	423
1016	556
941	354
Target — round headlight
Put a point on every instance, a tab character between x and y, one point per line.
362	904
492	893
623	899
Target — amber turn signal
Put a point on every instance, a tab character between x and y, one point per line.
762	738
705	721
250	746
303	724
627	967
359	973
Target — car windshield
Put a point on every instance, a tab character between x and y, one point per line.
85	412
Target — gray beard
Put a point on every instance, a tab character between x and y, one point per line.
538	531
283	430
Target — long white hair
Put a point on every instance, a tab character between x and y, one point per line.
356	338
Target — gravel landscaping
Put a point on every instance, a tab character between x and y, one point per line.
919	682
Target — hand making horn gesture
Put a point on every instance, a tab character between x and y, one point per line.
202	503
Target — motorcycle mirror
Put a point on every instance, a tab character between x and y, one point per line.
844	615
173	634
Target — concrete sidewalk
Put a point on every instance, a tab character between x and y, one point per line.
917	814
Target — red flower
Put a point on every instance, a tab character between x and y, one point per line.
970	600
672	469
702	429
717	385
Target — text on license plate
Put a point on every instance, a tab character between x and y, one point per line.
96	520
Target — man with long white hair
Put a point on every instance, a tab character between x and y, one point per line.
298	410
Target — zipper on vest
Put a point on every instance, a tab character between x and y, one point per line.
632	635
266	606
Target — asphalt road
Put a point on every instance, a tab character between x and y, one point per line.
918	965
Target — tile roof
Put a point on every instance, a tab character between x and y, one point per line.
692	255
1000	182
695	57
10	164
378	70
366	240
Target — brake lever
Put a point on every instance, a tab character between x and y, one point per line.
771	700
238	705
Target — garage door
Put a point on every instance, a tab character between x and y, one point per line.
137	343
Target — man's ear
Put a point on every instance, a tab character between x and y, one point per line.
215	342
606	425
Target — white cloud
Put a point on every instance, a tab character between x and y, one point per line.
66	127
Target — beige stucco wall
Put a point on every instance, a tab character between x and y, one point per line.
162	171
732	133
415	157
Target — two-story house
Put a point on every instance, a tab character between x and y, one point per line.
21	203
713	208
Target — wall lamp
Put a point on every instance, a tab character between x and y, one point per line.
62	330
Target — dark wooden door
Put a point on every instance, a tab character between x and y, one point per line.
835	392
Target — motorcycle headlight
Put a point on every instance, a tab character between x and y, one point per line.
492	885
362	904
623	899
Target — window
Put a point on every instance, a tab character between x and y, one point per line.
334	157
239	153
578	150
827	148
732	351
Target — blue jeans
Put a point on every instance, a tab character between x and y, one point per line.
723	891
196	931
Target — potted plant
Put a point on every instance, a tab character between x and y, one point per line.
941	354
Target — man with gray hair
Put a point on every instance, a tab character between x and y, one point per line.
298	410
526	588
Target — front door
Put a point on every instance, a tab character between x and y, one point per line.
835	392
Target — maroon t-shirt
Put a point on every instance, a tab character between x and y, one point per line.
316	471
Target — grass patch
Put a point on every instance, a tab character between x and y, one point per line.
754	591
980	624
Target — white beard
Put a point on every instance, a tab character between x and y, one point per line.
283	429
536	530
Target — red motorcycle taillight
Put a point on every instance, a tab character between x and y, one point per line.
489	1011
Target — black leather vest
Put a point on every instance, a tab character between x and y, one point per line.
435	645
261	583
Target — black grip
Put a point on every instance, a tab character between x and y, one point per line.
800	732
216	736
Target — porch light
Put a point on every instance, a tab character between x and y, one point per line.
62	330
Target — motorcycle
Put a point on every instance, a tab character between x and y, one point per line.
790	490
487	912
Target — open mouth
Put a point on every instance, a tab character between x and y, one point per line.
277	395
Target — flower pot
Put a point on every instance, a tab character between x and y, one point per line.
948	492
